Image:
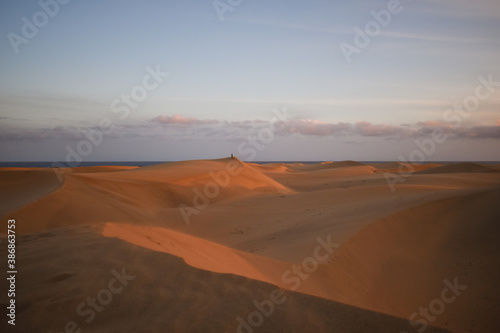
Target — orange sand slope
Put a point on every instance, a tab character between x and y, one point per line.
350	252
150	291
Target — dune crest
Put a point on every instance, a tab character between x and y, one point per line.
198	252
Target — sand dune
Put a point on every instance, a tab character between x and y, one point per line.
405	257
258	228
459	168
399	167
390	165
160	293
20	186
142	195
198	252
271	167
324	165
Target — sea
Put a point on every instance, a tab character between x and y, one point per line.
49	164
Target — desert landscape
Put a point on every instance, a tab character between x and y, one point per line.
250	166
228	246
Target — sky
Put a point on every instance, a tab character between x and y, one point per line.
281	80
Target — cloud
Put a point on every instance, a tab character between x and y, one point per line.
177	119
365	128
187	128
436	38
245	124
434	123
312	127
37	134
479	132
430	126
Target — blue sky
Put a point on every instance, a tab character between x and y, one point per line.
226	79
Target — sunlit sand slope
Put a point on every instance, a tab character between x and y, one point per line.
73	277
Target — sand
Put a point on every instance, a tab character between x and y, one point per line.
226	246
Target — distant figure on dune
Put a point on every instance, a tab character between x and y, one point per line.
232	155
